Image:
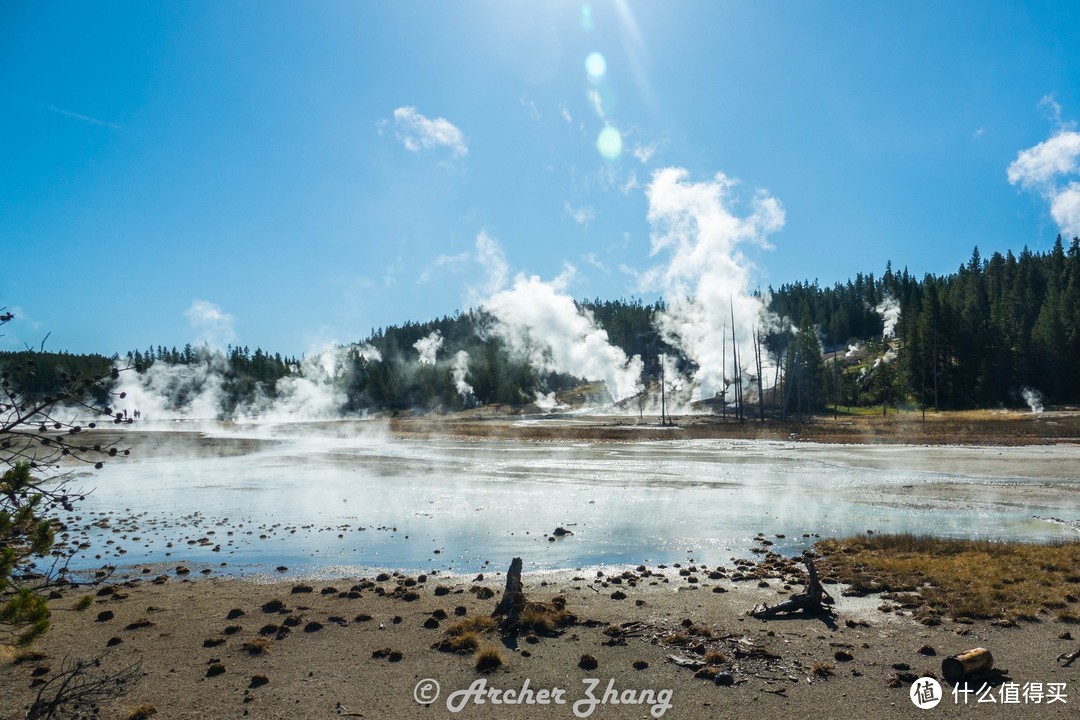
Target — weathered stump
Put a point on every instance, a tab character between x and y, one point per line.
813	600
513	599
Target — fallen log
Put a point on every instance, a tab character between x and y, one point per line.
813	600
513	599
966	665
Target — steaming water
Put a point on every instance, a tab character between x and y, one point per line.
339	499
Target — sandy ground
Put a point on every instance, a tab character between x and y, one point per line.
177	629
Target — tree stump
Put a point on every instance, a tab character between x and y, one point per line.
813	600
513	599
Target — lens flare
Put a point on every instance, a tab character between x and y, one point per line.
595	65
609	143
586	18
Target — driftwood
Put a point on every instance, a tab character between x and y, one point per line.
813	600
513	599
1066	659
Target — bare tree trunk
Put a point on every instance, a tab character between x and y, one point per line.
513	600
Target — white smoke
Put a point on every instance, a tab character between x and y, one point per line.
171	392
1033	398
889	310
458	370
852	349
707	279
540	322
428	347
213	326
368	352
545	402
314	390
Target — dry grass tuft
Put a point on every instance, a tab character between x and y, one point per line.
488	659
974	579
463	644
256	646
822	670
142	712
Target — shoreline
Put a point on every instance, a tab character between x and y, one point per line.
336	656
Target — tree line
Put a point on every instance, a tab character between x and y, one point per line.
977	337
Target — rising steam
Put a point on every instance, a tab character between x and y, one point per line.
428	346
707	279
889	310
1033	398
458	370
540	322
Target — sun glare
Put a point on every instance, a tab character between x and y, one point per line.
609	143
595	65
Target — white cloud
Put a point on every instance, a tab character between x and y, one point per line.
1046	168
1049	105
1042	164
631	183
566	115
212	325
597	103
417	132
490	256
80	116
592	259
530	105
644	153
581	215
1065	209
453	264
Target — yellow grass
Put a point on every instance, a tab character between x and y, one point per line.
976	579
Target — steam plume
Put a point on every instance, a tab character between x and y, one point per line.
540	322
1033	398
707	278
458	370
889	310
428	347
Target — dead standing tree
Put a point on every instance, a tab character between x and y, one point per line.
513	599
813	600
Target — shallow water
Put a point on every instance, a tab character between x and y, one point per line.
335	499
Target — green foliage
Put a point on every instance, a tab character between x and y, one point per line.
32	389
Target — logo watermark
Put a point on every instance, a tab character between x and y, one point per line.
592	696
926	693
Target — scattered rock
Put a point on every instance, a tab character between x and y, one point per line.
105	616
927	650
273	606
640	665
215	669
313	626
212	642
258	681
588	662
234	613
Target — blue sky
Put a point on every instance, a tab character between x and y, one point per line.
287	174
